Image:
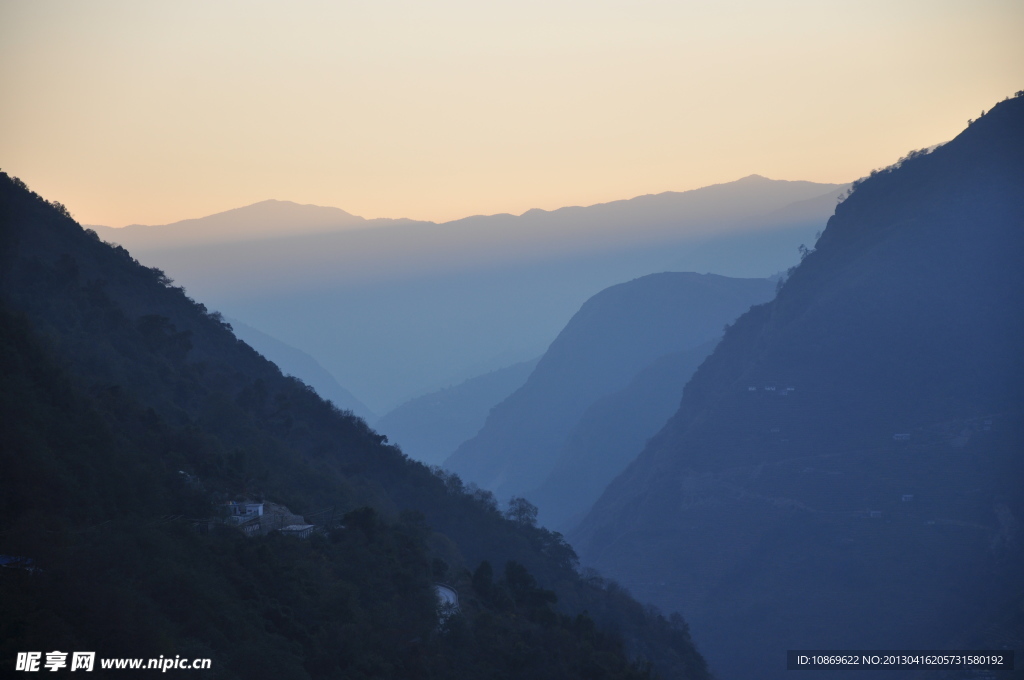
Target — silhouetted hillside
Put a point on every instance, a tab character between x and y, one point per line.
430	427
616	334
130	414
845	470
413	304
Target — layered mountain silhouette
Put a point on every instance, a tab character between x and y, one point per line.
130	415
295	362
430	427
264	220
844	471
610	434
614	336
395	309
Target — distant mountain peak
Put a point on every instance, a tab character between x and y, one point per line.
260	210
271	218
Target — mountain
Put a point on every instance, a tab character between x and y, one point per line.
297	363
612	337
430	427
130	418
844	470
610	434
713	209
263	220
395	310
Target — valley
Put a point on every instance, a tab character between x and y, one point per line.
672	436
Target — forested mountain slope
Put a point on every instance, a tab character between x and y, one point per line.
844	471
129	414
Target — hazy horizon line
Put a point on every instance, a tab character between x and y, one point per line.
466	217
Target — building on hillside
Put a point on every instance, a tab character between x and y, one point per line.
244	508
298	530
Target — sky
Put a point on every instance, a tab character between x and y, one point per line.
151	112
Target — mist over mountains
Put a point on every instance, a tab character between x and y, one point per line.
830	459
431	427
844	471
133	424
397	309
613	337
295	362
610	434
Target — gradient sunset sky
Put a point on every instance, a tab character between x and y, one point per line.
151	112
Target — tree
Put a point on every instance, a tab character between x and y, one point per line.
521	511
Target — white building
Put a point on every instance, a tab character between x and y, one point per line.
298	530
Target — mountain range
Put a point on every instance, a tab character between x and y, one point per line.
398	309
134	426
827	460
844	471
430	427
614	336
610	434
263	220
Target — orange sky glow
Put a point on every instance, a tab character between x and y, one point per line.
151	112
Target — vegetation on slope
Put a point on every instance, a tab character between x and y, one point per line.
130	412
844	470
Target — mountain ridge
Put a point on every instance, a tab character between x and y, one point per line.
805	493
266	219
296	363
613	336
430	301
131	415
610	433
429	427
331	216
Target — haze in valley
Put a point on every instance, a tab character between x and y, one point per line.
314	313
